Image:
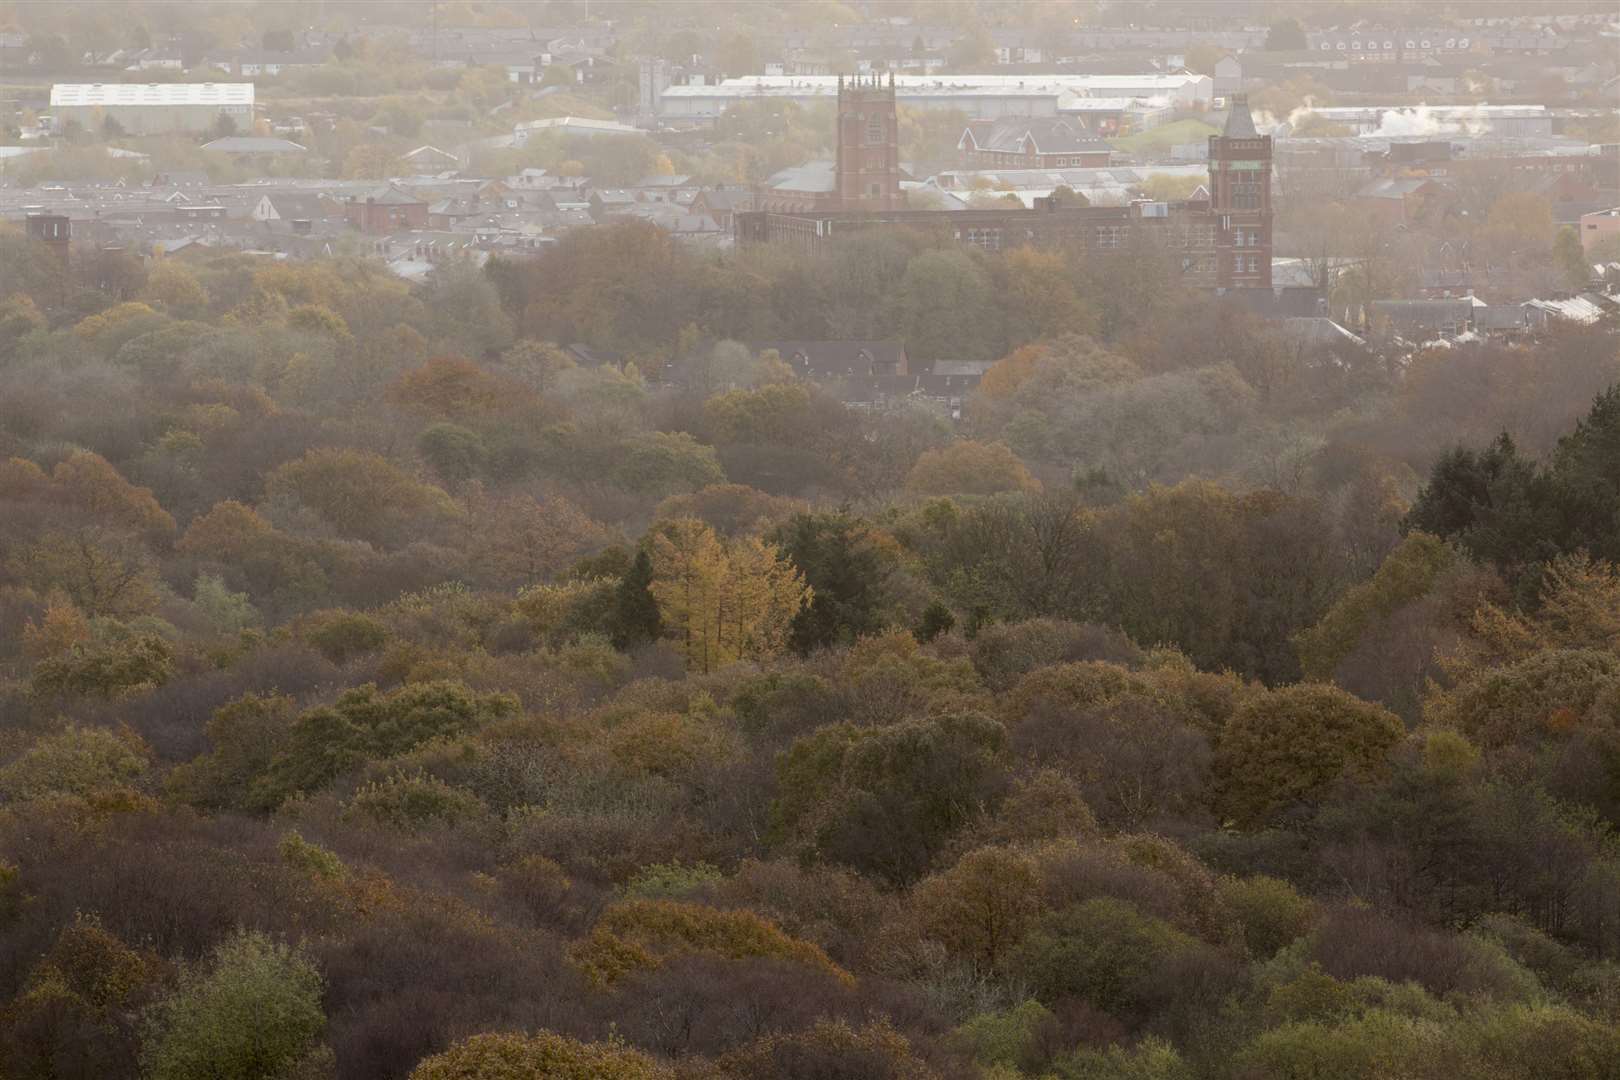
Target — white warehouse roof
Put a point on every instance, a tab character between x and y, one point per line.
942	85
91	94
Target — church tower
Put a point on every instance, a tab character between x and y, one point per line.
868	174
1240	197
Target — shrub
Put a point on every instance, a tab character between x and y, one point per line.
638	935
831	1050
108	671
415	802
340	636
1101	950
1270	911
78	761
671	880
537	1057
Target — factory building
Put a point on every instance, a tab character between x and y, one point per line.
152	108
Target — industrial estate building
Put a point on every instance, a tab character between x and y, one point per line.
152	108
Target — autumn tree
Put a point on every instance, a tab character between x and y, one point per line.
360	494
635	935
543	1056
723	603
970	468
981	907
519	540
173	288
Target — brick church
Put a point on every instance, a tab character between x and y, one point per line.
1221	236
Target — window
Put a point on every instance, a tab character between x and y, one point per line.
1245	195
1237	264
874	129
987	238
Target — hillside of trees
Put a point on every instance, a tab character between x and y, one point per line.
385	694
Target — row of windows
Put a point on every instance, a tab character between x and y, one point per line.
1389	46
1005	157
1192	238
1245	196
1245	264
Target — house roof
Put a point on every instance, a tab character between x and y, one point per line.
722	198
836	358
1393	188
254	144
1318	331
1427	314
300	205
813	177
430	152
388	195
1050	135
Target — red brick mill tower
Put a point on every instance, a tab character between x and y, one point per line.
1240	197
868	176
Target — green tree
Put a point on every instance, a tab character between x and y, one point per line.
845	570
1285	34
946	308
1570	258
247	1014
78	761
1100	950
886	800
365	724
635	619
1284	746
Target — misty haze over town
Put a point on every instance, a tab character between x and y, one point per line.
809	540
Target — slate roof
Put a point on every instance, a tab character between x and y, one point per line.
1425	314
1393	188
814	176
1051	135
834	359
387	195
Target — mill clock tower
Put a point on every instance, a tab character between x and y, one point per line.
868	171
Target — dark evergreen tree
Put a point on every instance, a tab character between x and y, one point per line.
1585	480
1494	503
936	620
844	569
635	620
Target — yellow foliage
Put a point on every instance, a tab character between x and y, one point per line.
545	1056
723	603
638	935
